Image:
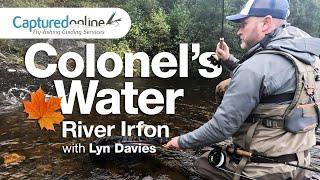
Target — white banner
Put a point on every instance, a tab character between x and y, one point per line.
64	23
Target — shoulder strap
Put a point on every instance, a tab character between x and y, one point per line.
301	69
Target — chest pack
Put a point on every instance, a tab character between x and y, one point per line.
302	114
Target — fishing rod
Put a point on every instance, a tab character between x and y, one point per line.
213	60
222	26
157	143
217	157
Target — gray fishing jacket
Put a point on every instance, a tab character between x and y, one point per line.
253	77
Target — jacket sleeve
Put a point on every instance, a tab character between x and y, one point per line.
242	96
231	63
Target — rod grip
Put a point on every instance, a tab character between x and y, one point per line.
239	151
244	153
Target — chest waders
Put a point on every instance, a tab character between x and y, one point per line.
300	116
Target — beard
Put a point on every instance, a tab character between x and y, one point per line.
243	44
246	44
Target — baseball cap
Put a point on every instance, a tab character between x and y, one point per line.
259	8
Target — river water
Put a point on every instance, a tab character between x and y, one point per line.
44	158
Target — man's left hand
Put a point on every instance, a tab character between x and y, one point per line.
173	143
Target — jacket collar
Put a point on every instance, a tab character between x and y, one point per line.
263	43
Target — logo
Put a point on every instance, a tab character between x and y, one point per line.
64	23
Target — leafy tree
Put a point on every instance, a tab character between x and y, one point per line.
305	15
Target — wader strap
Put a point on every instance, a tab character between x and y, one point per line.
301	156
248	140
249	135
300	68
278	98
228	160
240	167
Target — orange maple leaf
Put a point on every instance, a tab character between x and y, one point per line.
44	112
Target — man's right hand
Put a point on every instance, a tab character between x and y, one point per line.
222	51
173	143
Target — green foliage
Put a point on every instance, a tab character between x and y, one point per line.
31	3
58	3
180	22
158	31
120	48
150	31
305	15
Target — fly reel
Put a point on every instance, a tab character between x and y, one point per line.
216	157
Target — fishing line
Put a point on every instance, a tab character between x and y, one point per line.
225	170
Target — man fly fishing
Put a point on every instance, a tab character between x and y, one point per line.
271	104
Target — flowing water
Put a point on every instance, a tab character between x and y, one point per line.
44	158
